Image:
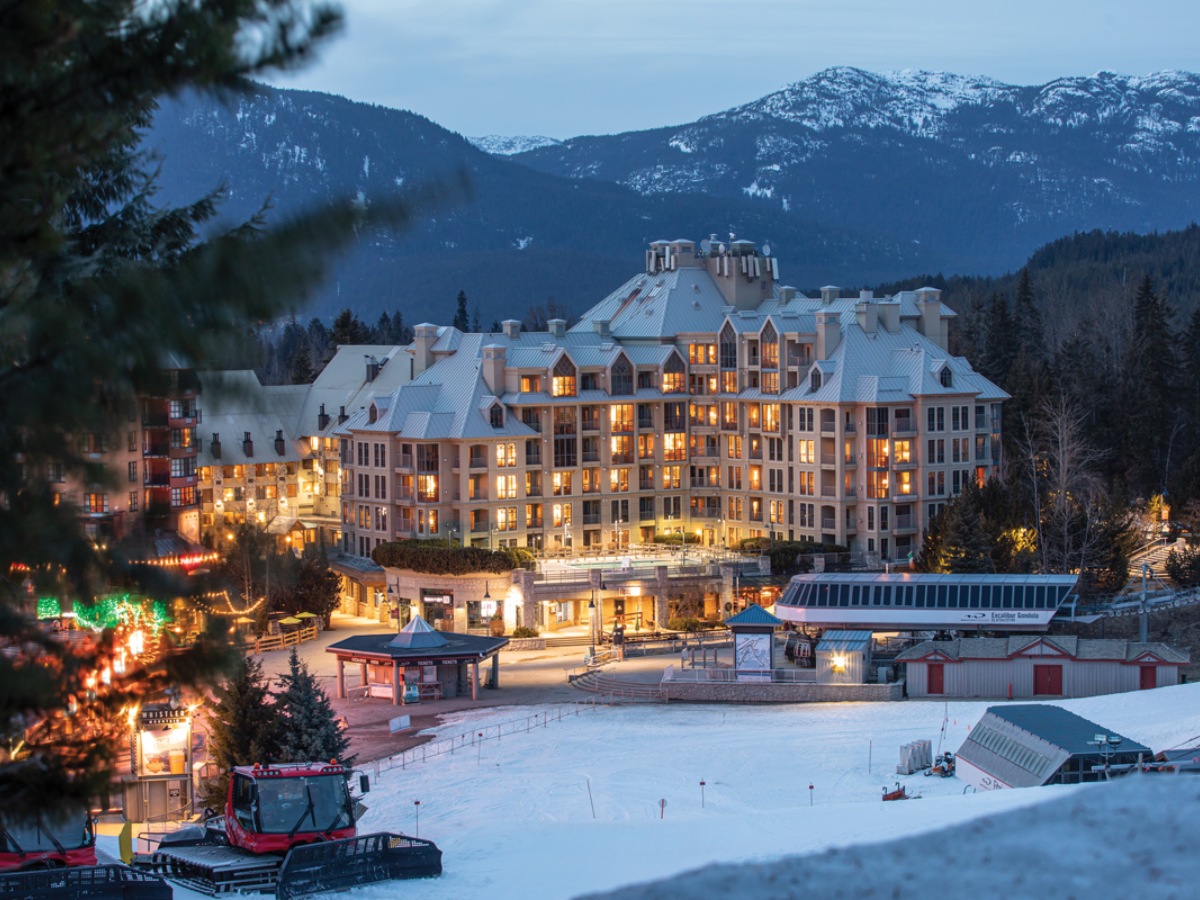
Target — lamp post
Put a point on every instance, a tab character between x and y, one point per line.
1107	744
492	537
592	625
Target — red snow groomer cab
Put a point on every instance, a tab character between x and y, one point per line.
53	857
288	829
47	842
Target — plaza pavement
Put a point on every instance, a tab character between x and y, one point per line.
527	677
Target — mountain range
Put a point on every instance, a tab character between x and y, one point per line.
853	177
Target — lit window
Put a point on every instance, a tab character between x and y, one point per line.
563	383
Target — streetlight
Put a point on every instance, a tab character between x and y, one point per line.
592	625
492	537
1107	744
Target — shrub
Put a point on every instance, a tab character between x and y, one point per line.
439	557
688	624
522	631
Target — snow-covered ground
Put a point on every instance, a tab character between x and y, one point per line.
514	817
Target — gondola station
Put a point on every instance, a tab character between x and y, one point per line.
418	663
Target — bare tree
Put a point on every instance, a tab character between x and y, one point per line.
1069	503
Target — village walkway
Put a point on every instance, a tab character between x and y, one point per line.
527	677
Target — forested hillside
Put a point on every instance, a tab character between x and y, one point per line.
1098	341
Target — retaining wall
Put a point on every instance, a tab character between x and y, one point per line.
708	692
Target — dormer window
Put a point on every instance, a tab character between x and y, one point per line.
621	378
946	377
674	376
563	382
496	415
814	380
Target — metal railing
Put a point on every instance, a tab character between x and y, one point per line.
715	675
482	734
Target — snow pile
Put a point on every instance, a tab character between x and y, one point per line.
1133	838
575	806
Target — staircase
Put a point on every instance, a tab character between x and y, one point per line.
576	640
1155	556
614	690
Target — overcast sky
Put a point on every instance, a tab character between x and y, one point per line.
567	67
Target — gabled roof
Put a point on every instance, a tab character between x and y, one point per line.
753	615
890	367
844	641
1061	727
449	400
1064	646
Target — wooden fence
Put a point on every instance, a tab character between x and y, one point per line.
286	639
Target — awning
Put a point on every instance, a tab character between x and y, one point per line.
281	524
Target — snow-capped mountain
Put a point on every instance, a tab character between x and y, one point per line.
520	238
502	145
855	178
976	171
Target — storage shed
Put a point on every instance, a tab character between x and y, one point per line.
844	657
1027	745
1028	666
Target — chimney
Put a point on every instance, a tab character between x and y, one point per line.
248	446
322	419
865	310
829	334
829	293
495	361
890	310
744	278
373	367
929	302
558	327
787	294
279	442
512	328
215	448
424	337
601	327
342	417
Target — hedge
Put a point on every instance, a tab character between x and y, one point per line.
444	558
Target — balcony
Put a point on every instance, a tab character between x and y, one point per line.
905	523
154	450
902	426
591	519
478	461
829	459
404	461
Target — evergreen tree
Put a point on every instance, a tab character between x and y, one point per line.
306	584
966	538
97	288
348	329
300	367
1030	336
1000	346
460	320
310	730
1149	377
244	726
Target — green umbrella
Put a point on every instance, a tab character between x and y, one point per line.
290	620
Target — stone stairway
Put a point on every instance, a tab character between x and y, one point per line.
614	690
